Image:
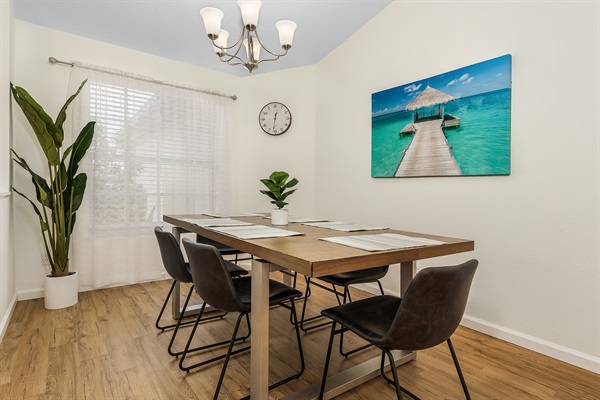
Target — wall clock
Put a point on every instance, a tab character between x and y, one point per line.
275	118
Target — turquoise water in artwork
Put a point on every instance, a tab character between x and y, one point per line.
481	145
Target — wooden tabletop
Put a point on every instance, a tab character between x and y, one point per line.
313	257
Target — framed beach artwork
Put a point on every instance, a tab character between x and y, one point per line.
453	124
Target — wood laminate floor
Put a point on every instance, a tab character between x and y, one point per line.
106	347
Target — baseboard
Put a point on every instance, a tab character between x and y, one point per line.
6	318
30	294
541	346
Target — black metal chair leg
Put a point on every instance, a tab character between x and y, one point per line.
188	350
337	296
231	343
394	373
210	346
460	374
304	320
306	296
390	381
162	310
180	324
327	358
189	342
162	328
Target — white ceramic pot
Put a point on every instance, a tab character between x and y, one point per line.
61	292
279	216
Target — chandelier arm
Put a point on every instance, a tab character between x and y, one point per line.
231	57
277	57
267	50
238	41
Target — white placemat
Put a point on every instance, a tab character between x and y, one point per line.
344	226
255	231
233	215
382	241
305	219
206	222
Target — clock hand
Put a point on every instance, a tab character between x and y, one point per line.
275	119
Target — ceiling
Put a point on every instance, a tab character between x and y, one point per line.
174	29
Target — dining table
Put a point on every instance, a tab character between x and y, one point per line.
307	251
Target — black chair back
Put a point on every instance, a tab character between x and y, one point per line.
171	256
432	307
211	278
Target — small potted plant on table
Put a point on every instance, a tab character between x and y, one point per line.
278	186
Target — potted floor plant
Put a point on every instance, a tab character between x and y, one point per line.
278	186
59	196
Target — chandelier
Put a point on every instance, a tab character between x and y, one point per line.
248	38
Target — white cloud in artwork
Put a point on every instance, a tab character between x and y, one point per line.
464	77
468	80
412	88
498	74
452	82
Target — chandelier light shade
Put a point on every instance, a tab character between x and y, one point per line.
248	38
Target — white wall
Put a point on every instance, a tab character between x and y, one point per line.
536	231
259	154
48	85
7	270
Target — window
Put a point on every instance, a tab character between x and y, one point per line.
157	150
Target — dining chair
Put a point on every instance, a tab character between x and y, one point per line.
223	249
179	270
218	289
427	315
344	280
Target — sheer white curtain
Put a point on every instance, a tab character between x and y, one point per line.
157	150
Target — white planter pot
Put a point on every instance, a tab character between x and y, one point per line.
61	292
279	216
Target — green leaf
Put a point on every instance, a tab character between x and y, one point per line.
62	115
280	204
41	186
272	186
80	147
286	194
290	184
270	194
79	183
43	223
48	135
62	177
279	178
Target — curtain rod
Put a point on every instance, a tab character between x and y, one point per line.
53	60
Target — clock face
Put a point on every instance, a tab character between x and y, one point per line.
275	118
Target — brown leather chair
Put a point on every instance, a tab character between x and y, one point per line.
343	280
426	316
179	270
216	287
223	249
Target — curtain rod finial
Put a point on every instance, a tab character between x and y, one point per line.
52	60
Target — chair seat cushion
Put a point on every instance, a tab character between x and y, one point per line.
235	270
354	277
278	292
369	318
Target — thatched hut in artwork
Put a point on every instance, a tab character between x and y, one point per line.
428	98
